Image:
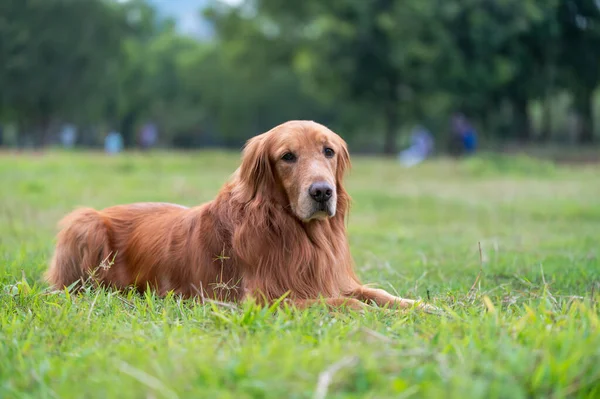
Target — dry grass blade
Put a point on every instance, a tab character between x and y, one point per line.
213	301
146	379
473	287
326	376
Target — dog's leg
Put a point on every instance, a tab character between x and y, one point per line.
334	303
383	298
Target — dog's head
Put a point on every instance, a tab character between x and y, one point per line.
299	164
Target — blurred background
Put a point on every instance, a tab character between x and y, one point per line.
433	76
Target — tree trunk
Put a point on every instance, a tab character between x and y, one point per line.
391	116
586	115
391	129
546	132
45	132
522	122
40	130
127	127
550	73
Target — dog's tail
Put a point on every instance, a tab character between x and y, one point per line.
82	246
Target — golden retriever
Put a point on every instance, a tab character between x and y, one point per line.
276	228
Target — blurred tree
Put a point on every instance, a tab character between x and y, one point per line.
151	85
396	60
128	91
580	22
55	55
362	67
368	53
248	81
502	52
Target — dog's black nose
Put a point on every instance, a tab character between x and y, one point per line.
320	192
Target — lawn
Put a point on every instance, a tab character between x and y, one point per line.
509	247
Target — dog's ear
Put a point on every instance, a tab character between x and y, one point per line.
343	165
256	173
343	161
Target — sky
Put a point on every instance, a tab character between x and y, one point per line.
187	14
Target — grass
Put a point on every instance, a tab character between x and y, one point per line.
508	246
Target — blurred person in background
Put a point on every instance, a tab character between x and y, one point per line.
113	143
421	147
464	135
148	136
68	136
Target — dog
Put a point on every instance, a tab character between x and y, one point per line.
276	229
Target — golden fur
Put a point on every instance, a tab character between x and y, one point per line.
261	237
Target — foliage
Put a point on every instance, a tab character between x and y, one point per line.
581	39
56	72
372	69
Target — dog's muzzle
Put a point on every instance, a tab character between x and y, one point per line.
321	194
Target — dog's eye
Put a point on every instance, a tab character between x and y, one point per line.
289	157
328	152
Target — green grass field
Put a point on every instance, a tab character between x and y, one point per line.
528	327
